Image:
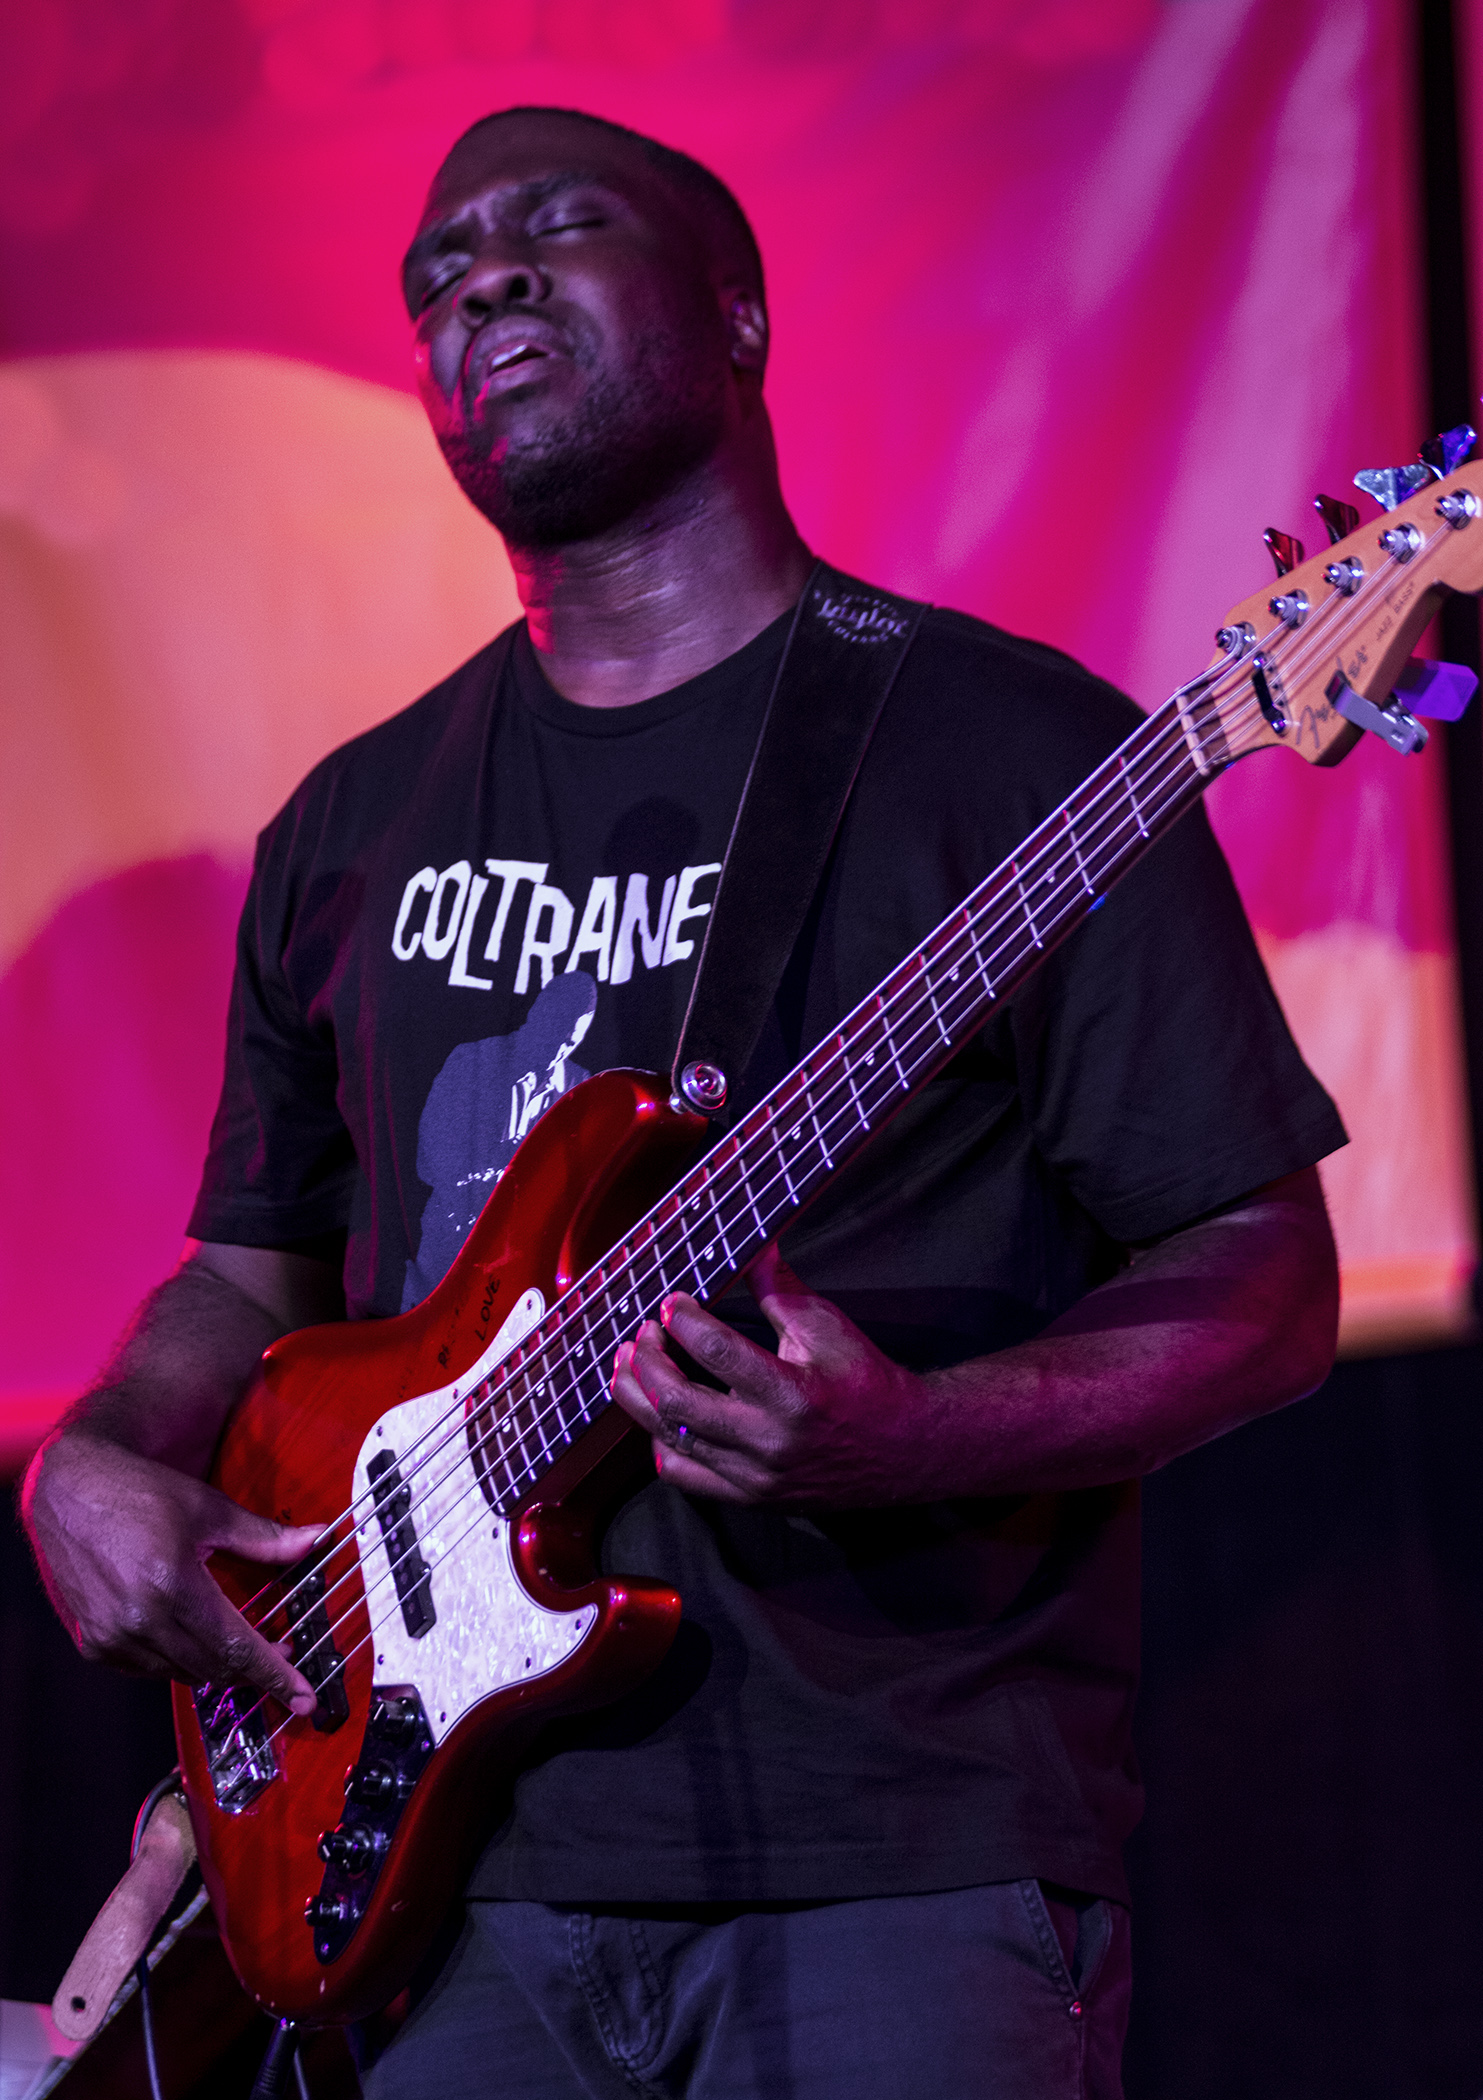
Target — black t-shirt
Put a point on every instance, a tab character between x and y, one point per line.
464	912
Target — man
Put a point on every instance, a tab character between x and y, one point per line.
860	1833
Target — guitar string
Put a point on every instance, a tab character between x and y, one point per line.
1171	735
1088	843
1081	846
477	1524
1171	740
637	1284
968	991
1317	642
968	932
1173	721
1057	847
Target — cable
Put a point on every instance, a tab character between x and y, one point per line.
282	2052
146	2010
152	1800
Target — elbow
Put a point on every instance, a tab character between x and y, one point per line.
1306	1326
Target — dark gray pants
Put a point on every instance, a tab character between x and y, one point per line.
988	1993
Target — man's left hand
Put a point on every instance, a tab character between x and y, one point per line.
827	1420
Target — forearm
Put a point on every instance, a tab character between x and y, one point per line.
1209	1329
1212	1327
185	1361
116	1503
192	1349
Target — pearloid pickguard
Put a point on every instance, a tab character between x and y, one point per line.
488	1631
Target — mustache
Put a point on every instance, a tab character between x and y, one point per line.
548	334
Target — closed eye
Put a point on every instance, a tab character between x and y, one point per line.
439	281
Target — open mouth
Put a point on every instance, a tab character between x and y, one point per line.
517	354
510	368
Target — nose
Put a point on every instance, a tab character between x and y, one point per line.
497	279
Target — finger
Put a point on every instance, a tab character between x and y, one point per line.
680	1469
229	1528
648	1385
652	1388
235	1652
628	1390
804	1323
742	1366
187	1630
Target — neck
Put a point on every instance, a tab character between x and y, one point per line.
673	589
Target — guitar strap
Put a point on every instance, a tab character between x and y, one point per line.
844	649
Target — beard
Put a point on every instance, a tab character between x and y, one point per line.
630	440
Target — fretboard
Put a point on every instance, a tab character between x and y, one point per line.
752	1184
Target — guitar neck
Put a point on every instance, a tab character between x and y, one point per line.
752	1184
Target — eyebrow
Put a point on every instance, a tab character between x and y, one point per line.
525	196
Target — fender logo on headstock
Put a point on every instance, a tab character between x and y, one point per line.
1308	723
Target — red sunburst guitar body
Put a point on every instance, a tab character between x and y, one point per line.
429	1697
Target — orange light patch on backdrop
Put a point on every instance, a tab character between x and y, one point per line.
213	569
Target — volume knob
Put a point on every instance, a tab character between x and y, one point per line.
395	1720
326	1910
374	1785
350	1850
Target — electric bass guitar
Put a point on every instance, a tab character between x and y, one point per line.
459	1459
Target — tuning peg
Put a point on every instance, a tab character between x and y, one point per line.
1339	518
1286	552
1445	453
1392	485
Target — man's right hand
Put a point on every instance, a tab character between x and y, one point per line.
121	1518
123	1543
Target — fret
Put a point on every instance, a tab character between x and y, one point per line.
777	1131
715	1227
760	1174
896	1060
823	1144
1197	711
761	1118
673	1224
1130	790
985	976
787	1177
937	1016
1025	903
1076	851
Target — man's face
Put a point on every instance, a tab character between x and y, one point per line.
572	350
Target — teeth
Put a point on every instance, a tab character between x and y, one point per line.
512	356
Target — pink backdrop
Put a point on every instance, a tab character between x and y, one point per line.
1071	299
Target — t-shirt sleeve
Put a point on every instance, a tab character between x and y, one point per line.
1157	1071
280	1165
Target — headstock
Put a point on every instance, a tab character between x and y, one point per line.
1315	661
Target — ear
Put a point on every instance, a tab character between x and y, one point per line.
746	328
